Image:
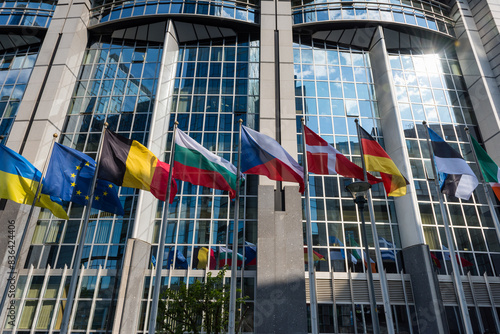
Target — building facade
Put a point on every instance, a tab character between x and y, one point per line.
67	67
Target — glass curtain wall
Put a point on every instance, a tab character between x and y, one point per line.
15	70
216	84
333	87
117	84
430	87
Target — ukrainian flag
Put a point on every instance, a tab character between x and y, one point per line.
19	180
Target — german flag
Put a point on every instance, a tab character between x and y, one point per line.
128	163
377	160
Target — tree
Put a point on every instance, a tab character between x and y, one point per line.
201	306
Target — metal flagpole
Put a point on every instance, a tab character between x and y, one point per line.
234	257
378	253
371	290
451	246
26	226
161	248
485	188
310	257
78	259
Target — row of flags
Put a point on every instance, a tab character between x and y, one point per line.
128	163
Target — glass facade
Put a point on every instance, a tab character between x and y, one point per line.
15	71
27	13
430	87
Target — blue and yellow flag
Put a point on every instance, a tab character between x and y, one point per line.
19	180
69	177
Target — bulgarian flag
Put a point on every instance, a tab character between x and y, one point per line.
489	168
128	163
324	159
195	164
377	160
226	257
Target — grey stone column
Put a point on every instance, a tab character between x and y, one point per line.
430	312
135	265
481	82
280	305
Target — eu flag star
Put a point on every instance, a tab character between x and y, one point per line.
78	167
73	184
105	193
87	164
110	185
73	175
78	192
87	198
97	198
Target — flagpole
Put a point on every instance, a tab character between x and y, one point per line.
310	257
378	253
26	226
78	259
234	257
371	290
161	248
485	187
454	264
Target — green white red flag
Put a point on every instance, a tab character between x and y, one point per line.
489	168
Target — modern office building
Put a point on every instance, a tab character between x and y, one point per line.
67	67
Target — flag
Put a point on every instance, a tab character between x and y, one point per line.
457	177
226	257
489	168
128	163
262	155
180	260
153	261
250	254
377	160
200	258
358	257
464	262
19	181
195	164
324	159
69	176
436	261
316	256
386	254
339	254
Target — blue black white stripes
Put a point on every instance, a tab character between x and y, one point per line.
456	177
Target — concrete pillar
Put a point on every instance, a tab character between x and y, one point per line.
481	83
281	298
430	312
146	209
135	265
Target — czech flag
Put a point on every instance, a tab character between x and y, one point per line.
262	155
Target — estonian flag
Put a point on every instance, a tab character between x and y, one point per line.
456	177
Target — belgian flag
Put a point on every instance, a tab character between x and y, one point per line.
128	163
377	160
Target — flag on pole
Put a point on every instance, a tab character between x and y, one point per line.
250	254
19	181
339	254
435	260
201	256
386	254
464	262
489	168
262	155
195	164
180	260
69	177
128	163
377	160
358	257
457	177
324	159
316	256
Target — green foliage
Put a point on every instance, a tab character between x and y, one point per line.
201	306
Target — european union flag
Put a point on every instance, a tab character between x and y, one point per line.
69	177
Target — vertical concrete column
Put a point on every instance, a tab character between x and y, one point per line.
146	209
481	83
430	311
281	299
135	265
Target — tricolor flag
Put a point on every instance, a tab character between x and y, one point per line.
355	253
324	159
19	181
128	163
195	164
316	256
250	254
201	257
262	155
226	257
489	168
458	179
377	160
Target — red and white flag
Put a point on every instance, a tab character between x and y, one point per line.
324	159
